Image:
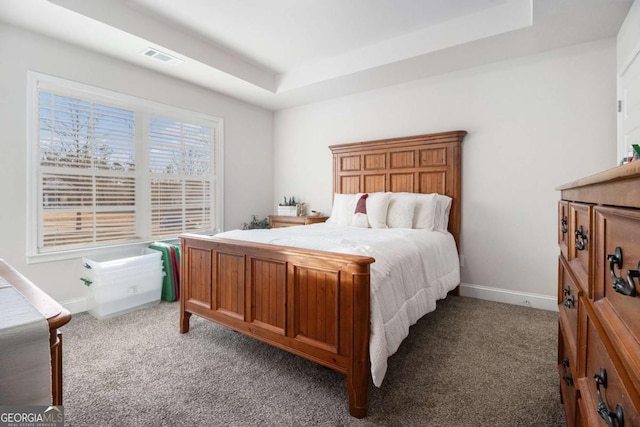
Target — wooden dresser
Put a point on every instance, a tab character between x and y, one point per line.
599	298
277	221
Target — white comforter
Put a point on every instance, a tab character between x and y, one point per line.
413	269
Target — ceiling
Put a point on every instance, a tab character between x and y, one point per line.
282	53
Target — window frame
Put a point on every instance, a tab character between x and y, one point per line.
143	109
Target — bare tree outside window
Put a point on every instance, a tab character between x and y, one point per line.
87	155
179	159
95	189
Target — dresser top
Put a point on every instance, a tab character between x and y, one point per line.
628	171
619	186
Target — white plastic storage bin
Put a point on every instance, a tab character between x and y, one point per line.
124	281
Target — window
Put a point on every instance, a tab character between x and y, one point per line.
110	169
180	166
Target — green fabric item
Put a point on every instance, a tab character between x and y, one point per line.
168	293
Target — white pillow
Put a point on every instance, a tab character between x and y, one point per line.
443	207
343	207
401	209
377	205
425	213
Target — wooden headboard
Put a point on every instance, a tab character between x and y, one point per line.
416	164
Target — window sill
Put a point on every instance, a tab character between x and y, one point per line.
83	252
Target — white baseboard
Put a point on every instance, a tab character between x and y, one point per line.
77	305
544	302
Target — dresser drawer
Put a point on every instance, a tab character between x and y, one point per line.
580	244
620	313
567	375
601	386
568	304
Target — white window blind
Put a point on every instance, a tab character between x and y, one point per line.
112	169
87	165
180	157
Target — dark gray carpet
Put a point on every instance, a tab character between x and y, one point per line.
469	363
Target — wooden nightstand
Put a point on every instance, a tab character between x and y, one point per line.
277	221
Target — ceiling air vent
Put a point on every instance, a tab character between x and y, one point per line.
161	56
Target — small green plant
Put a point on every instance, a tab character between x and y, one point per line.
291	201
256	223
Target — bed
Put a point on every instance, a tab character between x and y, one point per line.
320	301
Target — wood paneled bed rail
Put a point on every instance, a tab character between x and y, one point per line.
309	302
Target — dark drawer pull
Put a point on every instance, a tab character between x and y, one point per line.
581	239
615	260
569	302
567	377
564	222
631	290
603	410
621	286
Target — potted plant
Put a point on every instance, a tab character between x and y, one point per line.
256	223
289	207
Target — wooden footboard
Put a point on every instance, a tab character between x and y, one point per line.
311	303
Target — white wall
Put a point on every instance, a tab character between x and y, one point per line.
534	123
248	142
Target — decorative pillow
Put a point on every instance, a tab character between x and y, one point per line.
342	211
443	207
360	213
425	213
401	209
377	206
